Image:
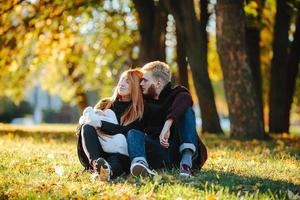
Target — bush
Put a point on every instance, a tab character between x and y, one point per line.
67	114
9	110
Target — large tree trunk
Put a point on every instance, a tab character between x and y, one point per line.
293	67
278	85
253	52
152	27
238	81
181	60
185	17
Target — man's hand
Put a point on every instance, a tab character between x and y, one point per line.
165	133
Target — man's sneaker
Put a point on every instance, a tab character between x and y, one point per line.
102	169
140	168
185	170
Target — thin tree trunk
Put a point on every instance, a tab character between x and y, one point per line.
238	81
278	85
185	17
181	60
253	52
293	67
80	95
152	27
81	98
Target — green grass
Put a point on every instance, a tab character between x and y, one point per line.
42	163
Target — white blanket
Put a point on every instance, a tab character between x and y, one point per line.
110	143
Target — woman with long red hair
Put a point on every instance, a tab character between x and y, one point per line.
127	106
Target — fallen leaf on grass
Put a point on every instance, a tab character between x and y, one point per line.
59	170
238	155
293	196
211	197
50	156
10	136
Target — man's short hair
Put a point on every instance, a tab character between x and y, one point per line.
159	70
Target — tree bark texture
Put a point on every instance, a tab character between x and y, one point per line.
253	52
152	23
185	18
238	81
181	60
279	70
293	68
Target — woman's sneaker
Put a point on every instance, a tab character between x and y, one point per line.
140	168
102	169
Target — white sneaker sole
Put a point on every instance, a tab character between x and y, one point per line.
185	175
138	169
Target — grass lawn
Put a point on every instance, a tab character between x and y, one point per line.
41	162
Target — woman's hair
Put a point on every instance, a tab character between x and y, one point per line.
136	109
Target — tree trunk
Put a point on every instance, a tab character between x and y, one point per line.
253	52
181	60
152	27
278	85
81	98
238	81
185	17
80	95
293	67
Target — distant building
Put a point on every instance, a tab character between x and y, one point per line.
40	100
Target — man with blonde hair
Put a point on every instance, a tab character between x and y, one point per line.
169	138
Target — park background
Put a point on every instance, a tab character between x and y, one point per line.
240	60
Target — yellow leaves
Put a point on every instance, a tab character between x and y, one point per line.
69	189
48	22
10	136
50	170
18	8
285	136
251	8
280	145
214	67
253	5
21	167
217	154
59	170
13	67
238	155
254	158
211	197
237	143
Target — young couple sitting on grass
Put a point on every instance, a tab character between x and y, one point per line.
145	125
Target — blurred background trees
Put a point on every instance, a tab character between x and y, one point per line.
74	47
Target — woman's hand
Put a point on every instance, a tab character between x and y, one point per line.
91	118
96	123
165	133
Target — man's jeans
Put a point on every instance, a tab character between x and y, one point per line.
183	136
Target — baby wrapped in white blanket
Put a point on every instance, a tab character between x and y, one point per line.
110	143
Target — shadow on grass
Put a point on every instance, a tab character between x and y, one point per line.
217	181
237	183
